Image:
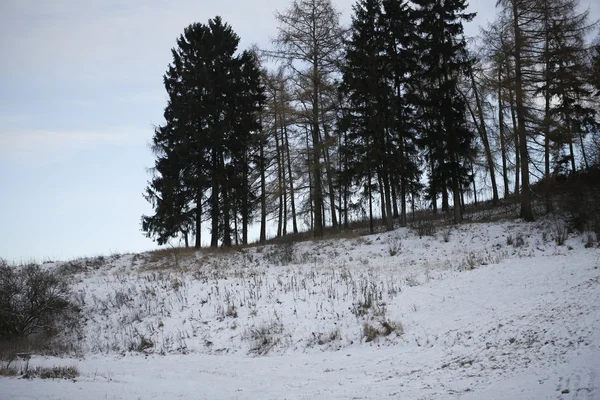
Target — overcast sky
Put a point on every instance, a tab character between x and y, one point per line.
80	89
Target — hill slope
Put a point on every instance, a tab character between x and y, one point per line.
497	311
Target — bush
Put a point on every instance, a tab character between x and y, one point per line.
323	338
560	233
394	246
446	235
590	238
34	303
141	344
424	228
510	241
264	338
519	241
371	332
471	262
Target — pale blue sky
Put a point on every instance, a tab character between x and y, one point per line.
80	88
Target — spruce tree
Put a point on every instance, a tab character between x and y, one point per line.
567	74
212	114
443	61
365	83
595	68
400	37
167	193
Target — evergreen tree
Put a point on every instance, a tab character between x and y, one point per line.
595	68
567	74
244	140
400	44
365	83
211	121
167	194
443	61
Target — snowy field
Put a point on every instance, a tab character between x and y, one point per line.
479	311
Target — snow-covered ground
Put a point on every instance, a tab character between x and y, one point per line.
392	315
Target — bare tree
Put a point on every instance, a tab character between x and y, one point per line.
309	41
521	15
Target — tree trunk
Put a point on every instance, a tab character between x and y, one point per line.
547	117
371	227
484	139
526	210
433	189
585	160
235	223
474	186
395	202
310	184
289	165
403	221
280	189
445	203
403	182
245	205
389	220
382	197
412	205
346	189
263	186
513	115
226	214
571	150
329	175
456	192
214	239
318	190
198	242
283	178
502	134
369	191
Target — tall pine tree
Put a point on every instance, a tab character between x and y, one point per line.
443	60
365	83
208	140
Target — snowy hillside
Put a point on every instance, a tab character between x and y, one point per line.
479	311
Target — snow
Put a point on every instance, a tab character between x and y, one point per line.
472	318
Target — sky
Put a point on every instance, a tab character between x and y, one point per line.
80	91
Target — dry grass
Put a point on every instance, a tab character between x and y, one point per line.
16	348
485	210
7	370
55	372
179	257
386	328
21	368
264	338
175	253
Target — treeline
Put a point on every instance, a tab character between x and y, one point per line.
396	112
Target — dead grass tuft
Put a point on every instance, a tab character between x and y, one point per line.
55	372
385	328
